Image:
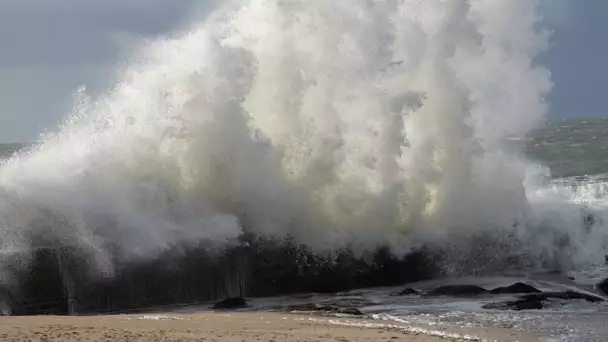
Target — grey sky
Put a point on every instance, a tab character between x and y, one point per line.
50	47
579	58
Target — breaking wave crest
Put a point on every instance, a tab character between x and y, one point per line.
339	124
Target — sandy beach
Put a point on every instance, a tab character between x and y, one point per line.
237	327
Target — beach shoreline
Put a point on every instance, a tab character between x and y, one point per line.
238	327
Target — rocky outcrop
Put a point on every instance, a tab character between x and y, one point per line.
256	268
603	285
230	304
516	305
457	290
565	295
535	301
325	308
409	292
516	288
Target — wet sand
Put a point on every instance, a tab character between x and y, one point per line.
237	327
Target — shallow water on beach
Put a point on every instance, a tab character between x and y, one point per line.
559	320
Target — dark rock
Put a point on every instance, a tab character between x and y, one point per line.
302	295
325	308
515	289
589	220
457	290
305	307
526	305
554	272
566	295
350	311
349	294
517	305
545	296
230	303
495	306
603	285
534	301
257	267
585	296
409	292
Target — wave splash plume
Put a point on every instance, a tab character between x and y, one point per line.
339	124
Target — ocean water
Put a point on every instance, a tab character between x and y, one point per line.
343	124
572	148
8	149
575	152
557	321
339	124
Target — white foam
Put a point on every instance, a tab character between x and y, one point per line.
160	318
405	329
338	123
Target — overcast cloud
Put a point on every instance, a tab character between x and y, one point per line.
50	47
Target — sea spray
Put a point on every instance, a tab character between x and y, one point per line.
344	124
